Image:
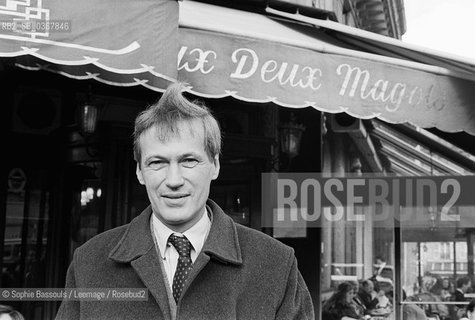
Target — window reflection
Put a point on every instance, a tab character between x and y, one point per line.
86	203
86	211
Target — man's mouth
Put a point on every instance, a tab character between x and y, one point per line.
174	196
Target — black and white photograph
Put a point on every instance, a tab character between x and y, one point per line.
244	159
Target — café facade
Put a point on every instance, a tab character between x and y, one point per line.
292	92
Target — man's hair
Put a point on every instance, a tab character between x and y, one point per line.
462	281
166	113
366	282
471	305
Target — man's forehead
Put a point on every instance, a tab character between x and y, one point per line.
183	132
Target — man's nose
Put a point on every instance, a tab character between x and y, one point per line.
174	177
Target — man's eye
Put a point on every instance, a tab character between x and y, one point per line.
189	162
156	164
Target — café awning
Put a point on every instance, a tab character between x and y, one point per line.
114	42
292	61
296	61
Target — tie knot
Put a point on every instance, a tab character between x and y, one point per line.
181	244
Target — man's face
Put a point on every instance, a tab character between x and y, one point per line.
466	286
369	287
177	174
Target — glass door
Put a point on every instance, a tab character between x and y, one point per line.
25	234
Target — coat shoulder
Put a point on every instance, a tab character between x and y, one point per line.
258	241
103	242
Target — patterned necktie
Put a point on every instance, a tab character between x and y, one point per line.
184	266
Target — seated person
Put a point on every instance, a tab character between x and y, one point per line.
410	311
446	291
359	306
463	286
367	295
441	289
383	301
340	305
435	308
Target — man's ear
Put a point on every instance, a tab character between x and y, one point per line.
217	166
138	172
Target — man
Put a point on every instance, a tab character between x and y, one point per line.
366	295
463	285
409	311
358	305
194	260
413	312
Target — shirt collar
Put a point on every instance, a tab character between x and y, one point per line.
196	234
222	242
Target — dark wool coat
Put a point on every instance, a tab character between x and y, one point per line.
240	273
367	299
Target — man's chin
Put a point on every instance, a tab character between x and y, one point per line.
175	202
179	225
176	217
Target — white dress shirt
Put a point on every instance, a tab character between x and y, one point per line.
197	235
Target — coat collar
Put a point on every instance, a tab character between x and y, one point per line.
136	241
137	247
222	242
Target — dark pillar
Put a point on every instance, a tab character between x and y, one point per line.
470	254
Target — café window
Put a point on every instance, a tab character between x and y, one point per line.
433	255
423	258
433	261
357	251
445	252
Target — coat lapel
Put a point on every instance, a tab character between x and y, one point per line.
222	243
137	248
149	270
